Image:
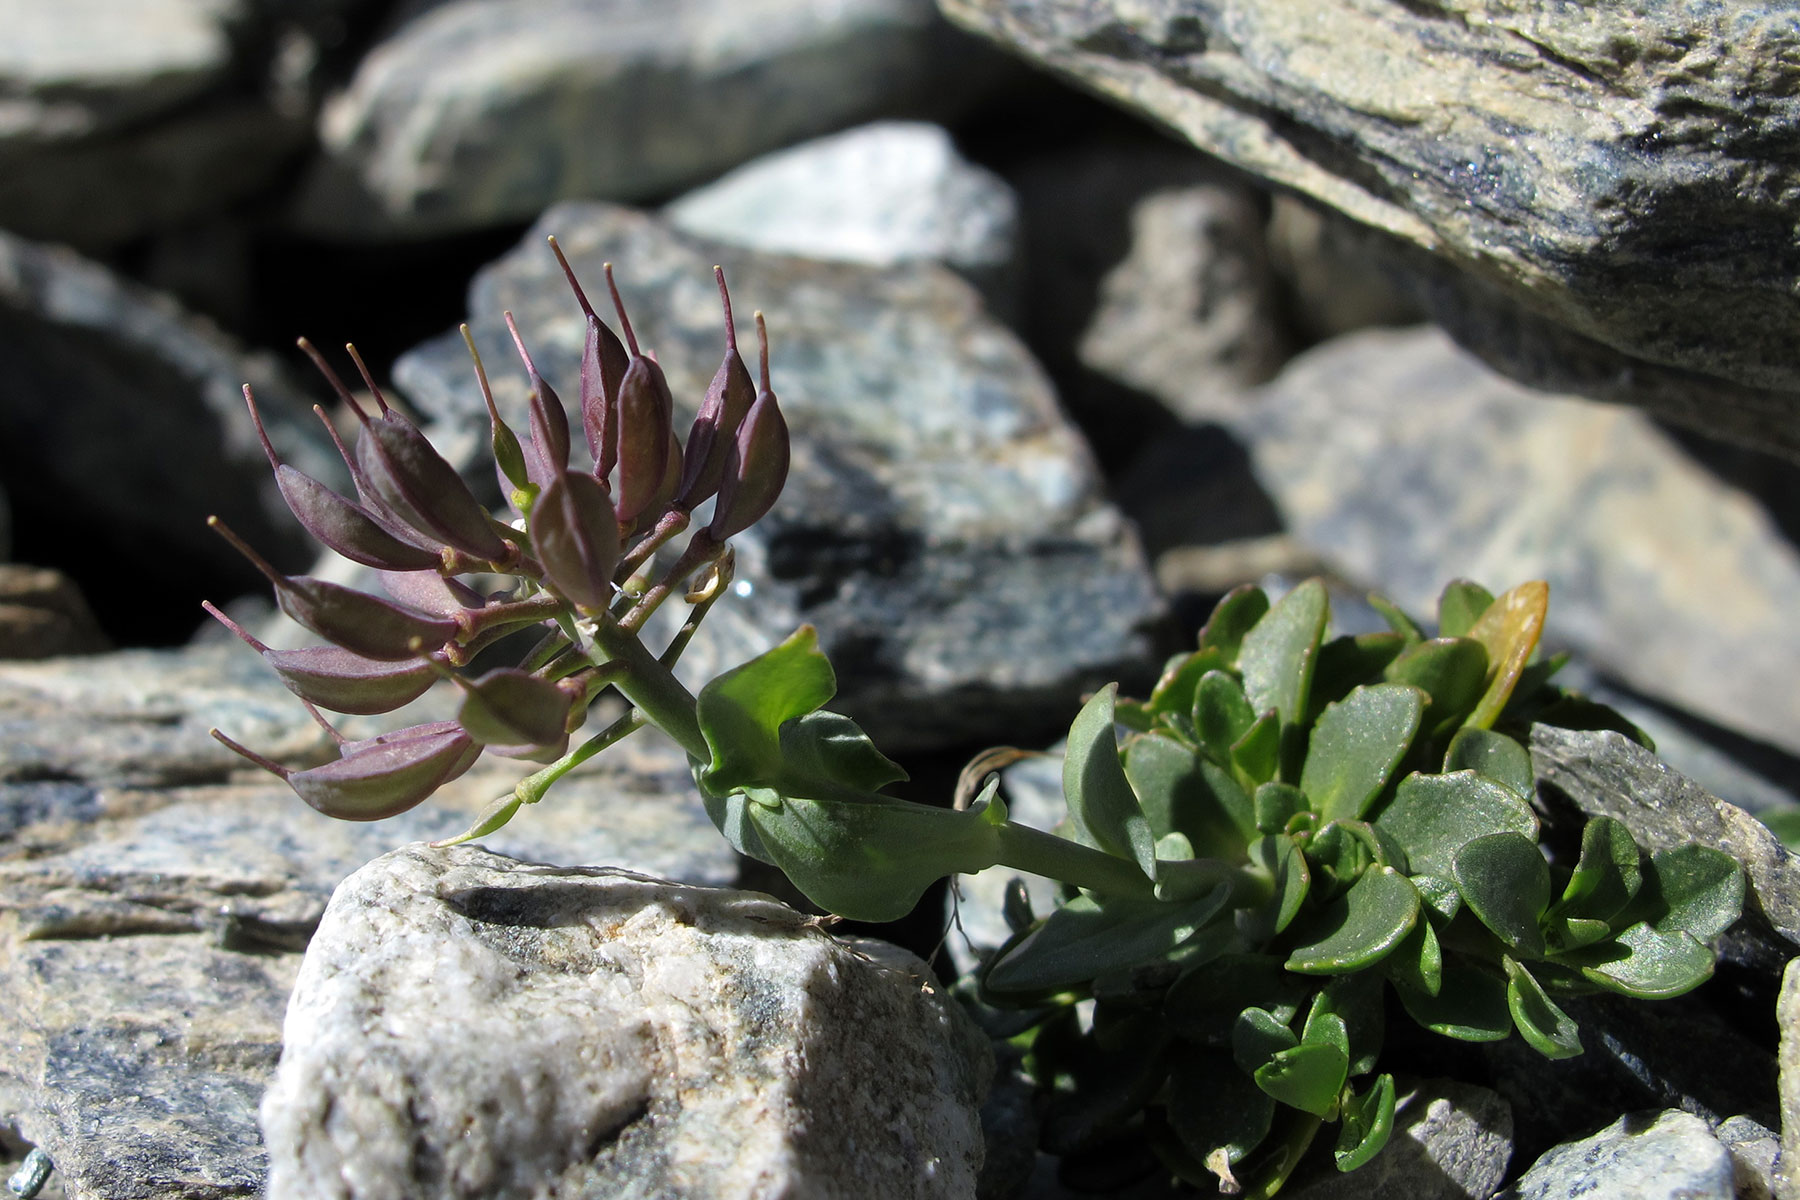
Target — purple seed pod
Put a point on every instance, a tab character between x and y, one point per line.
758	465
576	537
412	478
665	494
362	624
643	420
384	516
603	363
547	753
334	678
509	459
374	781
548	456
337	523
721	412
509	707
431	593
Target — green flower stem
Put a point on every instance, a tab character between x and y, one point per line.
671	525
1291	1145
512	612
531	789
652	687
1040	853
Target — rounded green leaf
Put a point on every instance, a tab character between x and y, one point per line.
1608	874
1308	1077
1215	1107
1177	796
1700	889
1355	746
1101	802
1286	867
1277	654
1205	1002
1232	618
1460	606
1258	1036
1275	804
1434	816
1549	1029
1450	670
1222	715
1471	1006
1367	1122
1256	757
1506	883
1641	962
1493	756
1359	928
1418	962
1085	938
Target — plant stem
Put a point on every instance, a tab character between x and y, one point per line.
1042	853
531	789
652	687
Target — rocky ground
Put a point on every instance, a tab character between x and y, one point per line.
1056	381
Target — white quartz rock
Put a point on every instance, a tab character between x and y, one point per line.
468	1025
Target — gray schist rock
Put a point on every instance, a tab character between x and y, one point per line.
473	113
154	900
1652	1156
1616	174
881	194
113	393
465	1025
1787	1018
1451	1141
943	524
117	120
1189	314
1405	463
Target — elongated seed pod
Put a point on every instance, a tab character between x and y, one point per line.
727	401
575	535
510	707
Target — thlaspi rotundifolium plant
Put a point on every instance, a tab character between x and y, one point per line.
1323	821
1290	825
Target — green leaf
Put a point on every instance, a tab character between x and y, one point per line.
1699	891
1173	695
1355	747
1562	934
1549	1029
1214	1106
1434	816
1277	655
1275	804
1418	961
1084	938
1506	882
1287	867
1257	1037
1784	823
1641	962
1326	1028
871	859
1439	895
1360	1000
1232	618
1338	858
1398	621
829	746
1205	1002
1309	1078
1359	928
741	712
1471	1006
1367	1123
1222	715
1101	803
1509	629
1178	796
1493	756
1347	662
1256	757
1451	671
1607	875
1460	606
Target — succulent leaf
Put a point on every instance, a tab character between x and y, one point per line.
1356	745
1461	604
1308	1077
1434	816
1549	1030
1359	928
1101	804
1506	882
1367	1123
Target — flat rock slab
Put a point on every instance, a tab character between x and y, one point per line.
1654	1156
465	1025
154	900
1624	171
1406	463
477	113
943	524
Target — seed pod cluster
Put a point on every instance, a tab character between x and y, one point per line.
578	559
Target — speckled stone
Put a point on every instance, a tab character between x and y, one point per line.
1405	463
1621	171
476	113
1653	1156
1787	1018
1451	1141
155	897
943	524
469	1026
